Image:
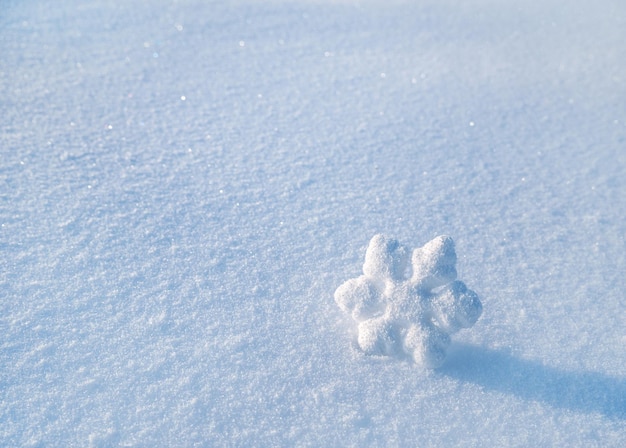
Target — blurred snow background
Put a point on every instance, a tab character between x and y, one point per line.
184	184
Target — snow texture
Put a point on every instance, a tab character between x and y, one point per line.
412	312
185	183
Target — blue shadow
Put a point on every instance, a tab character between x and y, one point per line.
586	392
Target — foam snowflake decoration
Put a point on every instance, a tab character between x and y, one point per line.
407	308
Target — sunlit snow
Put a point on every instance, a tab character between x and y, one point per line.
184	185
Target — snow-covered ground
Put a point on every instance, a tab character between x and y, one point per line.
184	185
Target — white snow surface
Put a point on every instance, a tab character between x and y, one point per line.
184	184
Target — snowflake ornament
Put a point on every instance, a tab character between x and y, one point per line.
407	308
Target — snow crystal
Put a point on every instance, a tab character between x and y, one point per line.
409	313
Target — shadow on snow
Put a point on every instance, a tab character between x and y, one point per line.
586	392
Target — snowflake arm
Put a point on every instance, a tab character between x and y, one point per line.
385	260
359	298
455	307
434	264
